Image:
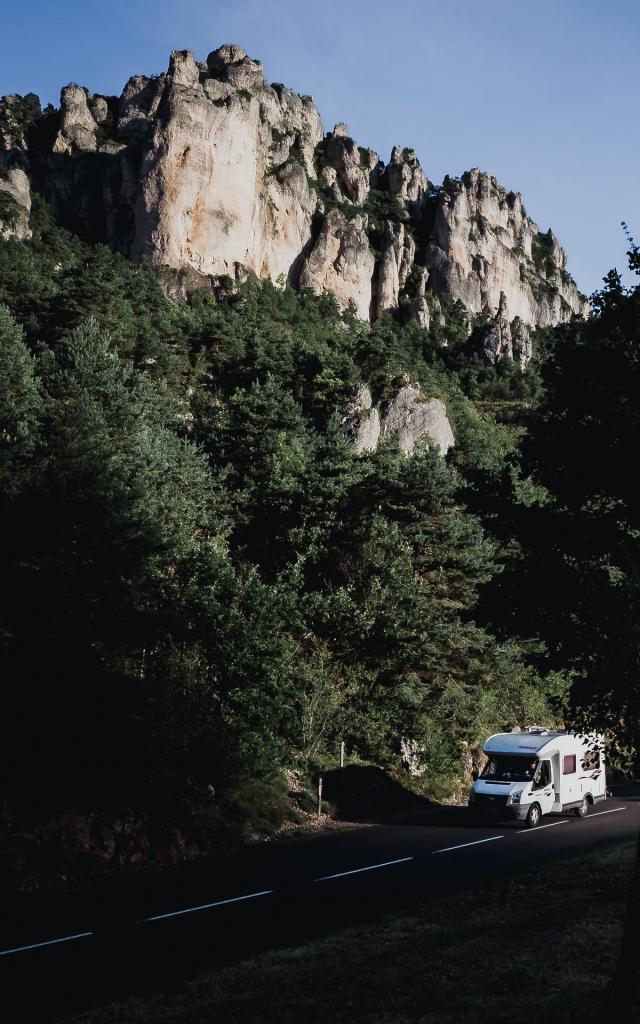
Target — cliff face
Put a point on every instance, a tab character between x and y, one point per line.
483	245
225	173
210	170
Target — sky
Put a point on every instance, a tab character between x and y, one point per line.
541	93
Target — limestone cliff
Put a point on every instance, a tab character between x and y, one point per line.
208	170
483	245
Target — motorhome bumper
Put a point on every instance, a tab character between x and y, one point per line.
485	805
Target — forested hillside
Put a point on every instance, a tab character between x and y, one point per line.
206	586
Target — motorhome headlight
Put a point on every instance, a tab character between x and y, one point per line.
514	798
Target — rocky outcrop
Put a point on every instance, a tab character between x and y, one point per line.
408	415
521	343
15	187
341	262
77	131
15	203
483	245
356	171
361	421
507	338
496	343
405	177
209	171
412	418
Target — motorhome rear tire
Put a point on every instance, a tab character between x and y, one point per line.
583	809
534	816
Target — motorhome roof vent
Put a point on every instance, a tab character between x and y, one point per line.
538	729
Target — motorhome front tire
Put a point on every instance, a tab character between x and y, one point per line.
534	816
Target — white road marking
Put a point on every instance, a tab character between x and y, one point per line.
206	906
267	892
462	845
49	942
370	867
530	831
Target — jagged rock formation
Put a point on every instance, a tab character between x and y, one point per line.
353	171
405	177
521	342
507	338
497	340
483	245
77	131
408	414
208	170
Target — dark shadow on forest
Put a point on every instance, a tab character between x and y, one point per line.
364	792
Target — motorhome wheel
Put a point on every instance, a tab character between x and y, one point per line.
583	809
534	815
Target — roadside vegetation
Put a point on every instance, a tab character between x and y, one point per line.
206	590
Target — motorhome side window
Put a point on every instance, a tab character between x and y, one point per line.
569	764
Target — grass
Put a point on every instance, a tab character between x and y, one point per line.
540	947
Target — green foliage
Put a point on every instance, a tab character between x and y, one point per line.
577	532
18	114
204	582
20	405
9	209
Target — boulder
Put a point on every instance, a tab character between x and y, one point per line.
413	417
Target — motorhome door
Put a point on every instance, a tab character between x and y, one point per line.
543	786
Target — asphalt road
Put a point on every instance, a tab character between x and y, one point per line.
62	954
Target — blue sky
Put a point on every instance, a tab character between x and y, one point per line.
541	93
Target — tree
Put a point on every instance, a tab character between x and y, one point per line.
585	452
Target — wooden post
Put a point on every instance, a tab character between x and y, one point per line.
342	755
320	794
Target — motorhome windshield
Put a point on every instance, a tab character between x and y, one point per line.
509	768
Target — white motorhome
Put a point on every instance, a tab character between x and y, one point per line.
528	774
